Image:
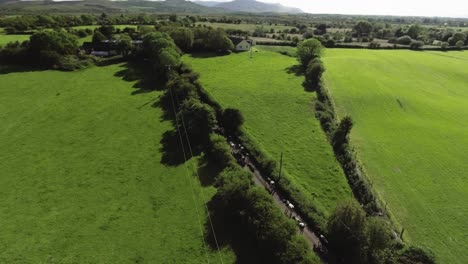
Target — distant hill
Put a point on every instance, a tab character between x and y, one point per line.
108	6
138	6
252	6
207	3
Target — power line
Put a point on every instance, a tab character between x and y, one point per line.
198	177
188	177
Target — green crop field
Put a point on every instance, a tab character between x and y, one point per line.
411	132
81	179
245	27
5	39
93	27
279	117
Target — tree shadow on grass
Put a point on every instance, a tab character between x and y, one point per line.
140	73
297	70
11	68
207	171
171	149
229	232
205	55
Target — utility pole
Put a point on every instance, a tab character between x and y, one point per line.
281	166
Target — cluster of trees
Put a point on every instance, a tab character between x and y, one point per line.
48	49
355	238
243	204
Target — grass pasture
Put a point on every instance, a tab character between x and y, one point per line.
279	117
81	179
411	132
245	26
5	39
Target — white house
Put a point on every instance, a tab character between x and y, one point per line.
241	44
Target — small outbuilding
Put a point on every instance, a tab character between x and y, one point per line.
241	44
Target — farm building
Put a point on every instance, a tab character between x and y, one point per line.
241	44
107	48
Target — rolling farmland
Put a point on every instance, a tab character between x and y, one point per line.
279	117
81	179
411	132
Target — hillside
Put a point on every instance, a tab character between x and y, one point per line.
410	114
136	6
107	6
252	6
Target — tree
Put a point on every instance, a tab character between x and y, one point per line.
346	227
219	41
363	28
106	30
416	45
457	37
198	118
183	38
124	46
405	40
308	50
460	44
232	119
173	18
414	31
98	37
219	152
314	72
321	29
161	51
57	41
342	132
379	236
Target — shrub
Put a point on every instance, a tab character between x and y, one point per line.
232	120
460	44
415	255
374	45
416	45
314	72
444	45
346	231
405	40
219	152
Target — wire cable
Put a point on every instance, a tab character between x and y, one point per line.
203	194
188	176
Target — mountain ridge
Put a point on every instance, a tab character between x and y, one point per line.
141	6
251	6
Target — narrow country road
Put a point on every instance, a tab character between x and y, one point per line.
312	238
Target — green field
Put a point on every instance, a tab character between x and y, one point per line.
81	179
5	39
411	132
279	117
93	27
245	27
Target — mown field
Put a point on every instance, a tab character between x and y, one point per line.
411	132
279	117
5	39
245	27
81	179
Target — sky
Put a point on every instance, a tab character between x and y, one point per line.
440	8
